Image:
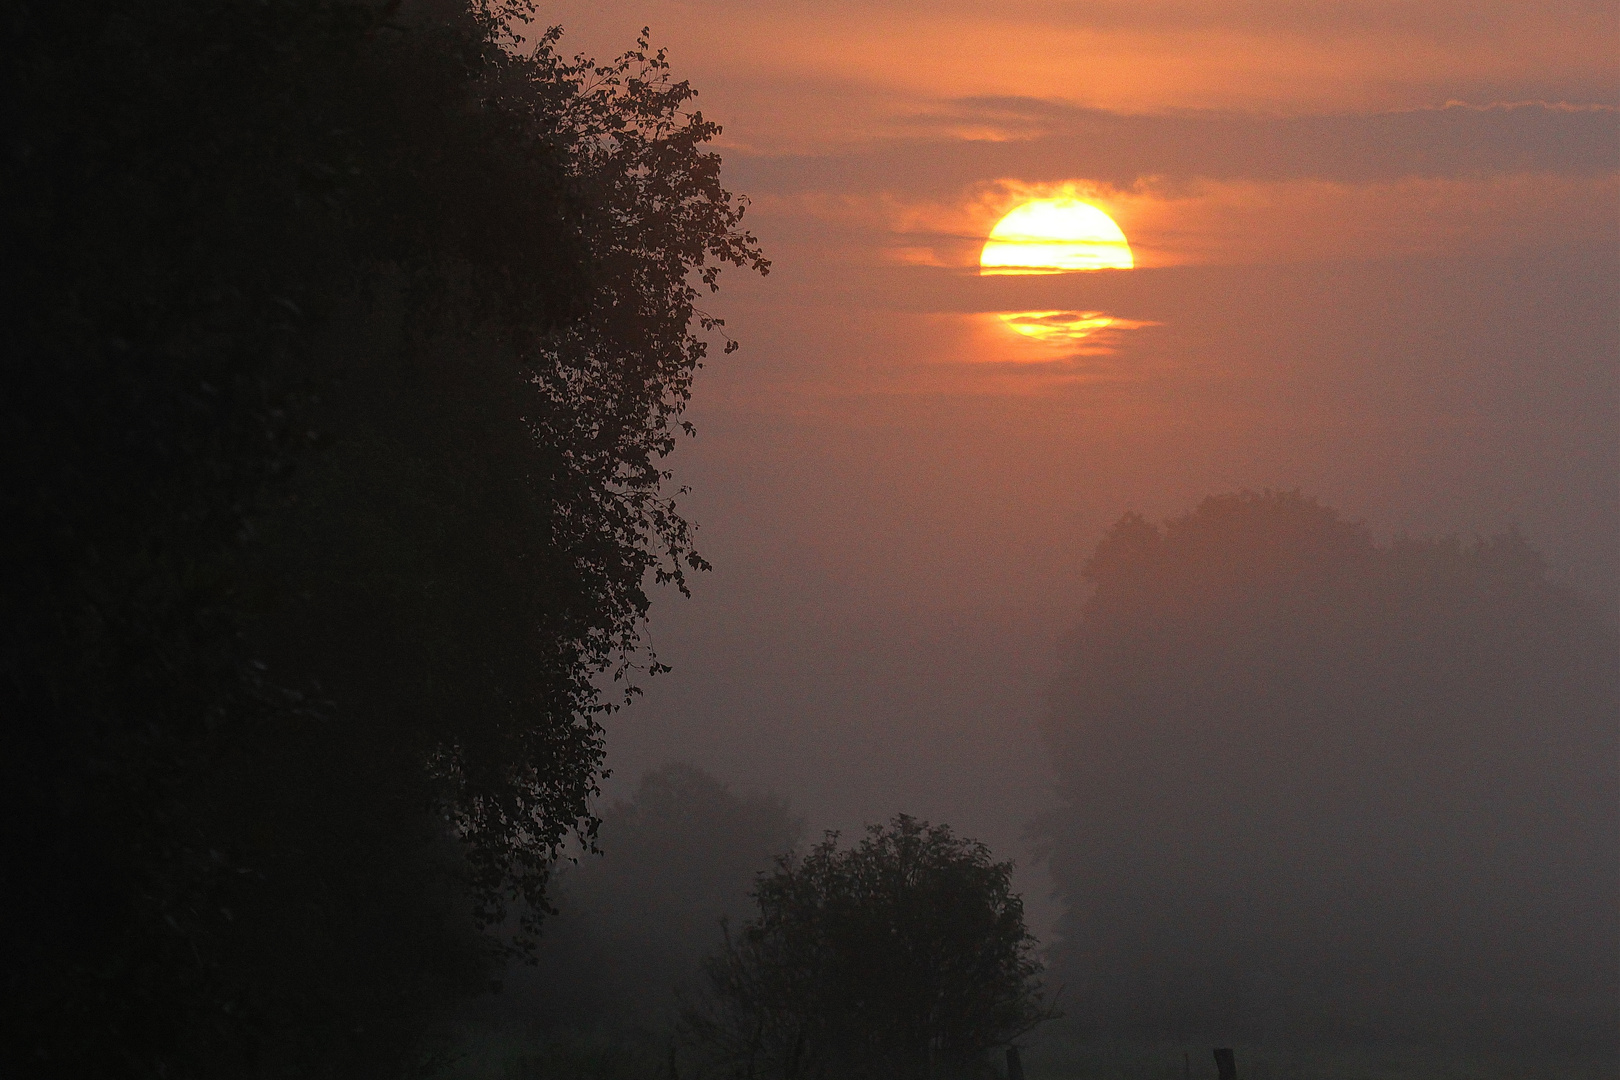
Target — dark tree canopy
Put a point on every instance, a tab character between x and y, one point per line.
905	957
1320	787
344	343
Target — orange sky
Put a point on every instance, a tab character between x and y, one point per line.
1376	258
887	59
840	83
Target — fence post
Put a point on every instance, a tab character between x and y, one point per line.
1225	1065
1015	1064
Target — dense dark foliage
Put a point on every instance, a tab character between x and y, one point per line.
1327	790
343	343
903	957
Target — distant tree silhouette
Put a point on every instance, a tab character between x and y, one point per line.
344	341
636	919
905	956
1319	786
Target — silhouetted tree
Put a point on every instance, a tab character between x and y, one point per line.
344	340
1318	786
905	956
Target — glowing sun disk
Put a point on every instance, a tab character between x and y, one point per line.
1055	236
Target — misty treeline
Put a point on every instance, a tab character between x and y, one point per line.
1321	790
344	340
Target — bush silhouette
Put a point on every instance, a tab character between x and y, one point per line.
905	956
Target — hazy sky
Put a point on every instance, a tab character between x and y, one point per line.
1376	250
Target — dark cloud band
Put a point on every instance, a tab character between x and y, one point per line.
1046	141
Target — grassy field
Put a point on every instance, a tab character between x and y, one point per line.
1061	1058
1056	1054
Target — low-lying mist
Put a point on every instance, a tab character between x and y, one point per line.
1316	792
635	920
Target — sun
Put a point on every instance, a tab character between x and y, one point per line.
1055	236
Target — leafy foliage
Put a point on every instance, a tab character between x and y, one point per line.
344	345
904	956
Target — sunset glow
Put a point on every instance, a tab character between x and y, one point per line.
682	538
